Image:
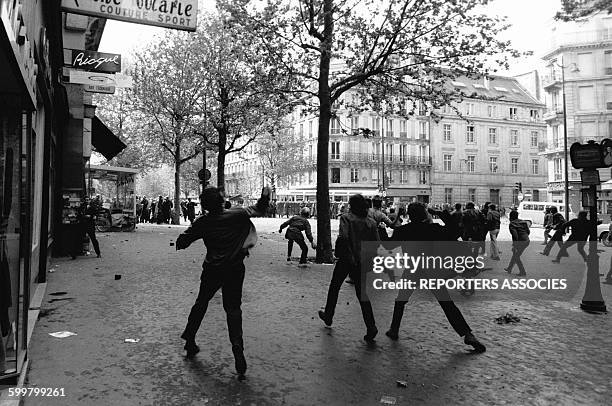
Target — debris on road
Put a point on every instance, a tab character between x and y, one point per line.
62	334
402	384
132	340
117	277
388	400
507	318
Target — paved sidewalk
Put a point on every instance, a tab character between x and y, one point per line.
557	354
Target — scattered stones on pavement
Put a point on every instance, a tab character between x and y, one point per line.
507	318
117	277
402	384
62	334
388	400
132	340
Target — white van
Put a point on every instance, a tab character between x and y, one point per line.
534	211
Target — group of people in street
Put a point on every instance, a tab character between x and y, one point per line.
228	234
555	222
155	210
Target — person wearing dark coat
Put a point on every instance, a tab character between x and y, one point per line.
166	210
87	221
227	235
493	223
557	221
159	215
422	228
296	225
519	230
144	217
190	210
355	226
580	233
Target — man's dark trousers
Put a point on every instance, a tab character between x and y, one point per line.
563	251
90	230
341	271
229	279
556	238
303	247
452	312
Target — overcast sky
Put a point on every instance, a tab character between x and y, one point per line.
530	29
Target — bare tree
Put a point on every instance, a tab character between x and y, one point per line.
575	9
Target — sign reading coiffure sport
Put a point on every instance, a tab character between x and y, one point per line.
177	14
96	61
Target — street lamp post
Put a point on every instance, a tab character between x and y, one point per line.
565	163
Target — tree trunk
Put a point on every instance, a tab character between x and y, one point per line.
324	244
177	186
221	160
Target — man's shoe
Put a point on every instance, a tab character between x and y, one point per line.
98	256
288	259
543	253
191	348
508	270
556	260
392	334
239	360
473	341
370	334
326	319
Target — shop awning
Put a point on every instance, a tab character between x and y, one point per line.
104	141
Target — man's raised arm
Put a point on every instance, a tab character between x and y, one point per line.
260	209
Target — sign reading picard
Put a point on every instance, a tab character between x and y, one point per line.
177	14
96	61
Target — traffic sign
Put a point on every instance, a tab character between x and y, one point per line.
204	175
520	197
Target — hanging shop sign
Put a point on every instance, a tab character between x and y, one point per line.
99	89
100	79
96	61
177	14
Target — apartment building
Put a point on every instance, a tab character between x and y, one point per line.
481	155
579	66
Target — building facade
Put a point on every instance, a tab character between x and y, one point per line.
579	67
33	108
481	156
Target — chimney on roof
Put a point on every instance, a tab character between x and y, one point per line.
486	81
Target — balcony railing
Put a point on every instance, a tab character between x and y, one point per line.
581	37
364	157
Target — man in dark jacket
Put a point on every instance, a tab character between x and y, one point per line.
226	235
421	228
190	210
296	225
167	209
580	232
493	224
355	226
557	221
87	220
519	230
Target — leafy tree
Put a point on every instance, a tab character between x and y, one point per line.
117	112
242	100
168	89
574	9
332	46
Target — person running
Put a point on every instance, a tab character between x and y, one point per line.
519	230
355	226
296	225
493	224
381	219
227	235
580	232
557	221
422	228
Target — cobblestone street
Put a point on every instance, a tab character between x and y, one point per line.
556	354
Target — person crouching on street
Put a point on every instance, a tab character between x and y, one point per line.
227	235
355	226
296	225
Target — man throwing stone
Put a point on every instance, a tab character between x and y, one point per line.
227	235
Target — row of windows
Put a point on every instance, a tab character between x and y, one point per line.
360	175
492	111
493	139
470	164
494	196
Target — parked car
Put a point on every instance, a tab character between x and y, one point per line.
603	233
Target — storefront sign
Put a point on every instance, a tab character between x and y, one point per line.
177	14
96	61
100	79
99	89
